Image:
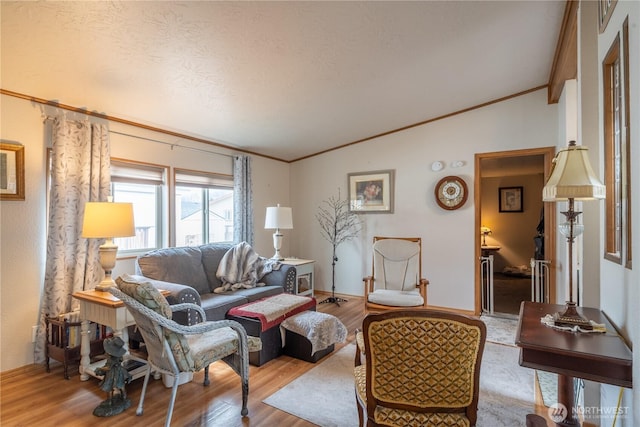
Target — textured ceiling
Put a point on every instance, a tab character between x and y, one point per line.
283	79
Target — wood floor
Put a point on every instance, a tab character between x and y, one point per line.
30	396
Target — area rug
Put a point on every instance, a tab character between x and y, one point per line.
500	330
325	395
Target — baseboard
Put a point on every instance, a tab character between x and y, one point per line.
452	310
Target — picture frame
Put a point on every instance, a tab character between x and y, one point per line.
371	192
11	171
510	199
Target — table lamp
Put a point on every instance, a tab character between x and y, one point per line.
485	231
572	178
278	218
106	220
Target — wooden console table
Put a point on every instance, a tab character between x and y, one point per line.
600	357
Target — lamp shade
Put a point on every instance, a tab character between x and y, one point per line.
107	219
572	177
278	217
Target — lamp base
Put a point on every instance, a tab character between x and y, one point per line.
570	317
105	285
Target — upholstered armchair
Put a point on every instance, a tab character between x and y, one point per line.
396	280
421	368
173	348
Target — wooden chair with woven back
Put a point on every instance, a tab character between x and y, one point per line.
421	367
396	280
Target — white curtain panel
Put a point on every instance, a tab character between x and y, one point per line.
79	174
243	200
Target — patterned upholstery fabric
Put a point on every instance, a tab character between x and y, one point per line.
440	351
146	294
423	359
211	345
150	297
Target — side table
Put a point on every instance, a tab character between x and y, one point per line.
105	309
604	358
304	275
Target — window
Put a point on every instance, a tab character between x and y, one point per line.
204	207
616	151
140	184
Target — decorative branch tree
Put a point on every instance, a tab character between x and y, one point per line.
337	225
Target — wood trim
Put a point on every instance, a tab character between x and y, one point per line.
424	122
605	10
217	144
549	216
131	123
565	60
627	142
613	229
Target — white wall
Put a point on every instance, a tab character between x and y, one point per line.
23	223
22	241
448	236
619	291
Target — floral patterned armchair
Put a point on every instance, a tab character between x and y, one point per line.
174	348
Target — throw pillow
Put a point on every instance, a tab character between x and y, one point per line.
146	294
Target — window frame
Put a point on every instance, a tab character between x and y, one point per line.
206	181
146	177
612	145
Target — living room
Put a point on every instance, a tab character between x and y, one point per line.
520	121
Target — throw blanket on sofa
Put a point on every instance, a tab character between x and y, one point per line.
242	268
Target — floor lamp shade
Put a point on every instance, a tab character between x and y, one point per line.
572	177
106	220
277	218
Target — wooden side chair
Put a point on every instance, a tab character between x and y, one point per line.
174	348
396	280
422	367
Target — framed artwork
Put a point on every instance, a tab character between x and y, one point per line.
371	192
11	171
510	199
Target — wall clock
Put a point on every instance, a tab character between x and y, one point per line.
451	192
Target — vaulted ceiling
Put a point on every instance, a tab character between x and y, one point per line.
281	79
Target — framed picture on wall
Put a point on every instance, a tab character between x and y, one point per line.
11	171
510	199
371	192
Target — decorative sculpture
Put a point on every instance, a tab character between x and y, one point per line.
337	225
114	380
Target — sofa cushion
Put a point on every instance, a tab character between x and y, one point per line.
178	265
212	253
254	294
215	306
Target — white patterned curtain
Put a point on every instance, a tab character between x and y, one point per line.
242	200
79	174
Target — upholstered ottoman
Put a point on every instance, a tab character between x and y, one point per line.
311	335
262	319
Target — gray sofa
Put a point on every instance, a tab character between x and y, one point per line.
189	274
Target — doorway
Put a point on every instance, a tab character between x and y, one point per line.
515	230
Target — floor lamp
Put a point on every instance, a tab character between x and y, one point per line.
572	178
106	220
278	218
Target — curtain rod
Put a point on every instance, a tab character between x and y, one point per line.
171	144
